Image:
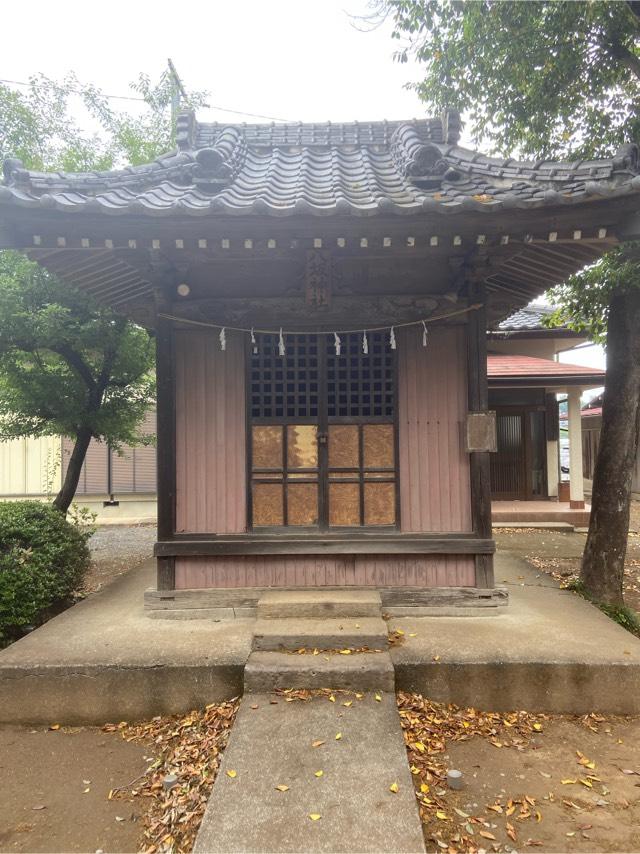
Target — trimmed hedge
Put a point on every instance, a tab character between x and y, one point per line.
43	559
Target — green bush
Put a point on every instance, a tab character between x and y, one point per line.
43	559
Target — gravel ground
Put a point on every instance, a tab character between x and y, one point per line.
115	549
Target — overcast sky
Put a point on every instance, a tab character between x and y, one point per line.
294	60
291	59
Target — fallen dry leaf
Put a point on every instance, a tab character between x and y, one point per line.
393	787
189	746
314	816
282	788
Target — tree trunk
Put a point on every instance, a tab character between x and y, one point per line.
64	498
606	547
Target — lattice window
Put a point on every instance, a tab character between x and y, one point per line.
360	384
285	386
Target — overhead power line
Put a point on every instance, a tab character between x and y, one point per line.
141	100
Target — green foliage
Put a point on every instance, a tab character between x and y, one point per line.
549	79
557	79
583	299
621	614
66	363
38	125
43	559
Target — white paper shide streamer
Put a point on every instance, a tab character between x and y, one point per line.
337	339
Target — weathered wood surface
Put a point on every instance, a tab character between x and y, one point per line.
337	570
432	406
479	463
242	600
318	545
210	434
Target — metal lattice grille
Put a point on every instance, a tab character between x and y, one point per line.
285	386
360	384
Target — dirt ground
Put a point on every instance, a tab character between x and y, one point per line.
558	553
45	805
55	786
604	816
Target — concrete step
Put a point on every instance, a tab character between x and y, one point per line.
310	633
271	745
364	671
277	604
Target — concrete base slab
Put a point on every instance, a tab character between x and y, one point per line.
332	603
549	650
272	746
365	671
351	632
105	660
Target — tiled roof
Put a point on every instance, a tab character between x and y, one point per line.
590	413
359	169
529	317
503	366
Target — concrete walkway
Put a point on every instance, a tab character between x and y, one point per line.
105	660
272	745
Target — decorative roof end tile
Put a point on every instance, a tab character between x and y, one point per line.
186	130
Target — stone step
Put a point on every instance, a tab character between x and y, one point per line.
310	633
271	745
364	671
302	603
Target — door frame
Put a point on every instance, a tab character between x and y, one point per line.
323	421
526	453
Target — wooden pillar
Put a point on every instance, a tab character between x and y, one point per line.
551	430
166	444
576	476
478	399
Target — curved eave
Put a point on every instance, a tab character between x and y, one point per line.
192	204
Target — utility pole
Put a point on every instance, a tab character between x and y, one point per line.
178	92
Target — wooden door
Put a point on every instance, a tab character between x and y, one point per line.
518	469
323	434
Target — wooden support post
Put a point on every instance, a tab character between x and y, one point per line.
576	475
166	573
166	444
478	398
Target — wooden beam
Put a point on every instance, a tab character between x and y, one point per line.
478	399
312	544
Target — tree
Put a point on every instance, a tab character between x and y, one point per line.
555	79
68	365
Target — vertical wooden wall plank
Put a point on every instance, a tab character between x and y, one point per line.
211	436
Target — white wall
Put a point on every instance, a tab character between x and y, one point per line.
30	467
